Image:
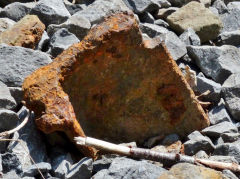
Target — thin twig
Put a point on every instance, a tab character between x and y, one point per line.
152	155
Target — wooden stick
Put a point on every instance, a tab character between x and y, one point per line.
153	155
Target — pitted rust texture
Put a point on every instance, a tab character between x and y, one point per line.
25	33
121	88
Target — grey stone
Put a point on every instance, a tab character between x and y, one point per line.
15	11
220	6
32	143
163	13
204	84
103	163
140	6
6	23
216	62
76	24
6	100
219	141
228	174
189	37
18	62
162	23
164	3
128	168
220	158
231	95
214	10
175	46
8	120
230	137
201	154
231	20
99	9
32	171
170	139
83	168
1	164
229	38
233	5
11	162
11	175
17	94
146	17
61	40
196	143
51	11
152	30
218	129
73	8
229	149
218	114
43	43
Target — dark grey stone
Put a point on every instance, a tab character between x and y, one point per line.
229	38
17	94
216	62
103	163
18	62
231	20
140	6
6	23
16	11
11	162
83	168
74	8
32	142
220	6
221	158
6	100
231	95
189	37
175	46
170	139
218	129
218	114
8	119
51	11
196	143
43	43
146	17
230	137
161	22
164	3
76	24
127	168
32	171
152	30
61	40
229	174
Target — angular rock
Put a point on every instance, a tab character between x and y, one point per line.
102	88
196	143
32	143
204	84
174	45
229	149
189	37
10	175
206	25
186	170
220	6
161	22
218	129
10	162
74	8
5	24
128	168
8	119
103	163
230	137
229	174
218	114
164	3
163	13
141	6
17	94
146	17
18	62
32	171
231	20
221	158
231	89
201	154
99	9
6	100
152	30
16	11
233	5
43	43
229	38
216	62
76	24
61	40
26	33
51	11
170	139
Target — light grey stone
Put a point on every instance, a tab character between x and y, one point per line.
231	20
162	23
6	23
218	114
216	62
140	6
229	38
6	100
152	30
43	43
221	158
103	163
220	6
32	171
18	62
218	129
74	8
189	37
11	175
8	120
16	93
214	10
229	174
61	40
233	5
51	11
201	154
204	84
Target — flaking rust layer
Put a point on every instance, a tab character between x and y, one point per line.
114	86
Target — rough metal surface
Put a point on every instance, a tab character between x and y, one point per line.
26	33
116	86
